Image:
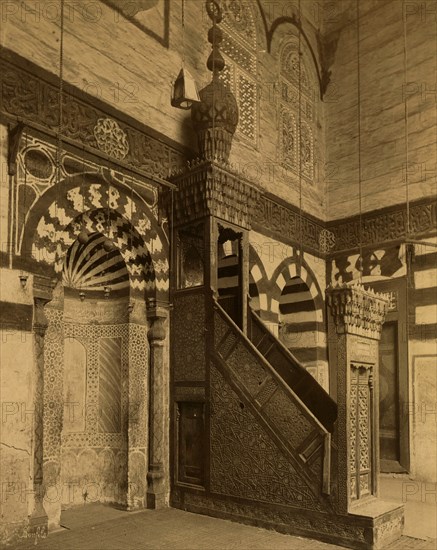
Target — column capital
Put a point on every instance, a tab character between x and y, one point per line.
42	294
43	288
157	313
356	310
157	308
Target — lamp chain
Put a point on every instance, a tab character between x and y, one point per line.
360	259
183	32
299	149
60	114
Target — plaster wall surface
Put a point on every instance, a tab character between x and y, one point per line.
422	409
381	120
4	189
16	429
11	289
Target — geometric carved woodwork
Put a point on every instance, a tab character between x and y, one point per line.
190	433
213	188
355	323
238	439
356	310
361	416
189	323
239	442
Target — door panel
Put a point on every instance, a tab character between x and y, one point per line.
393	379
389	394
191	447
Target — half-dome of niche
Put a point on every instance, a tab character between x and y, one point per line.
89	267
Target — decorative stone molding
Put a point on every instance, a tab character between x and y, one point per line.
356	310
214	189
284	222
27	91
326	240
28	94
378	227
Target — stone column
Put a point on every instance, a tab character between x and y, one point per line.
53	406
355	321
42	294
158	396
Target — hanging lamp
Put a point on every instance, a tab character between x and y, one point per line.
299	148
23	276
185	91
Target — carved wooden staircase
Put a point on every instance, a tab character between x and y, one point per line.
273	452
270	392
291	371
299	418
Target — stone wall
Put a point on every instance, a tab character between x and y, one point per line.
123	62
273	266
407	273
422	361
17	384
396	115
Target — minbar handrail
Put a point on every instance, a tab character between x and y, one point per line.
306	387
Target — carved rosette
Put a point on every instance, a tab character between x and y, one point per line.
110	138
326	240
356	310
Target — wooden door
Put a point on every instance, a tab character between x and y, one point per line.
393	381
190	443
389	435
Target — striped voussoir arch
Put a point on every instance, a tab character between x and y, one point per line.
62	212
297	301
258	282
285	275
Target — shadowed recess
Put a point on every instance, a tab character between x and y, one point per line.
90	267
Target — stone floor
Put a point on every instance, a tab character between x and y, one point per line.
98	527
419	499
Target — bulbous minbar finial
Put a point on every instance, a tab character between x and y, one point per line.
215	118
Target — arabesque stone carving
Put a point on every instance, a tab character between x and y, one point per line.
356	310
